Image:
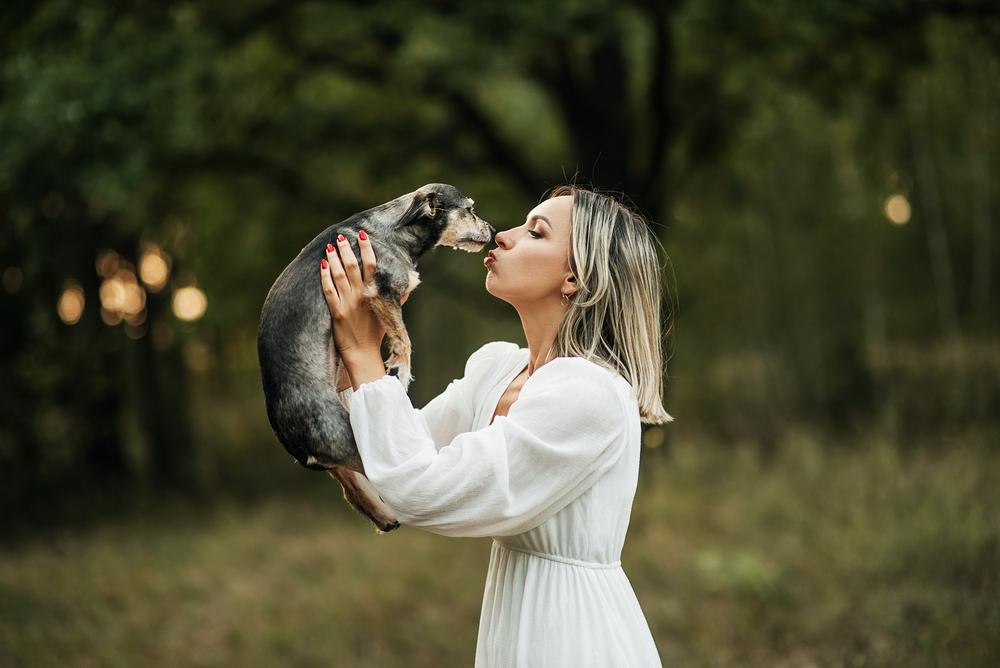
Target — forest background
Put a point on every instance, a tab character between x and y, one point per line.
821	176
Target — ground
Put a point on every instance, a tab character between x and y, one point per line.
854	554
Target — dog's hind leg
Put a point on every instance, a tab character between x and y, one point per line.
362	495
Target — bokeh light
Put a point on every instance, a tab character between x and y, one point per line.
12	279
110	318
136	319
897	209
112	294
133	331
107	263
154	268
122	298
189	303
135	299
653	438
71	302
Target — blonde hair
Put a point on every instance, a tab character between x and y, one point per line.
614	317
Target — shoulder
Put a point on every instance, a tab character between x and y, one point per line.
590	386
571	395
489	354
578	368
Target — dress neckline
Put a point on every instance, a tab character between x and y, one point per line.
522	355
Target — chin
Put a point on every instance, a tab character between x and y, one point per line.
491	290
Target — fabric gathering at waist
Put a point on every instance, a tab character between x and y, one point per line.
563	560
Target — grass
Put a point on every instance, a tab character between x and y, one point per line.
815	554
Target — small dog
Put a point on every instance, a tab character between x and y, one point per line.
300	367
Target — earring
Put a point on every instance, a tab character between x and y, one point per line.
565	299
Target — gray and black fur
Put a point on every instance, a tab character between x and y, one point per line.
298	361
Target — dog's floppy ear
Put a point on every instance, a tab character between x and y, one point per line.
423	205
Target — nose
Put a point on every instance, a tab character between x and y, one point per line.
493	231
499	239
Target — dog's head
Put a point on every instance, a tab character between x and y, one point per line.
450	216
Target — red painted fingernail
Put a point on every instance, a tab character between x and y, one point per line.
362	235
323	263
329	249
340	237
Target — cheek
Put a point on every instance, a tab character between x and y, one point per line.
541	254
551	261
542	266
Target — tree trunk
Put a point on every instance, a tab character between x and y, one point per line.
982	242
165	417
933	218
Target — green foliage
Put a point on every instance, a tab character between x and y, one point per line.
761	139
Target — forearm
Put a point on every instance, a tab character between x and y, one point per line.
343	376
363	366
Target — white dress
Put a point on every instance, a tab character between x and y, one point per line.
552	483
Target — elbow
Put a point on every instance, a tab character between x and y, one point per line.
397	495
413	507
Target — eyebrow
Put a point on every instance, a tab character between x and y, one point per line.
541	218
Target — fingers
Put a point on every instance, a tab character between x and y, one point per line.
329	290
337	272
350	262
368	262
367	256
342	275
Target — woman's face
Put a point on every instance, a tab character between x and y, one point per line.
532	261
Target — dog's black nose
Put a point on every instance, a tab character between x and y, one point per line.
493	232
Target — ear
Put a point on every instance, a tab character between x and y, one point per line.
569	284
429	205
422	205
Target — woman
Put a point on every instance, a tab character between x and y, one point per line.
537	447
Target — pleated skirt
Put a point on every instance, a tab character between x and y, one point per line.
553	611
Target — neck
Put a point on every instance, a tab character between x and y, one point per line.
416	239
541	323
400	221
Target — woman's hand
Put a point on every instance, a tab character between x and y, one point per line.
357	332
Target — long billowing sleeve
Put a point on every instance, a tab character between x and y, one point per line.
566	429
452	412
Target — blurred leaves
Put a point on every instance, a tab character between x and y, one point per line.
763	138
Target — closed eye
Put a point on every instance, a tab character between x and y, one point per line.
534	234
